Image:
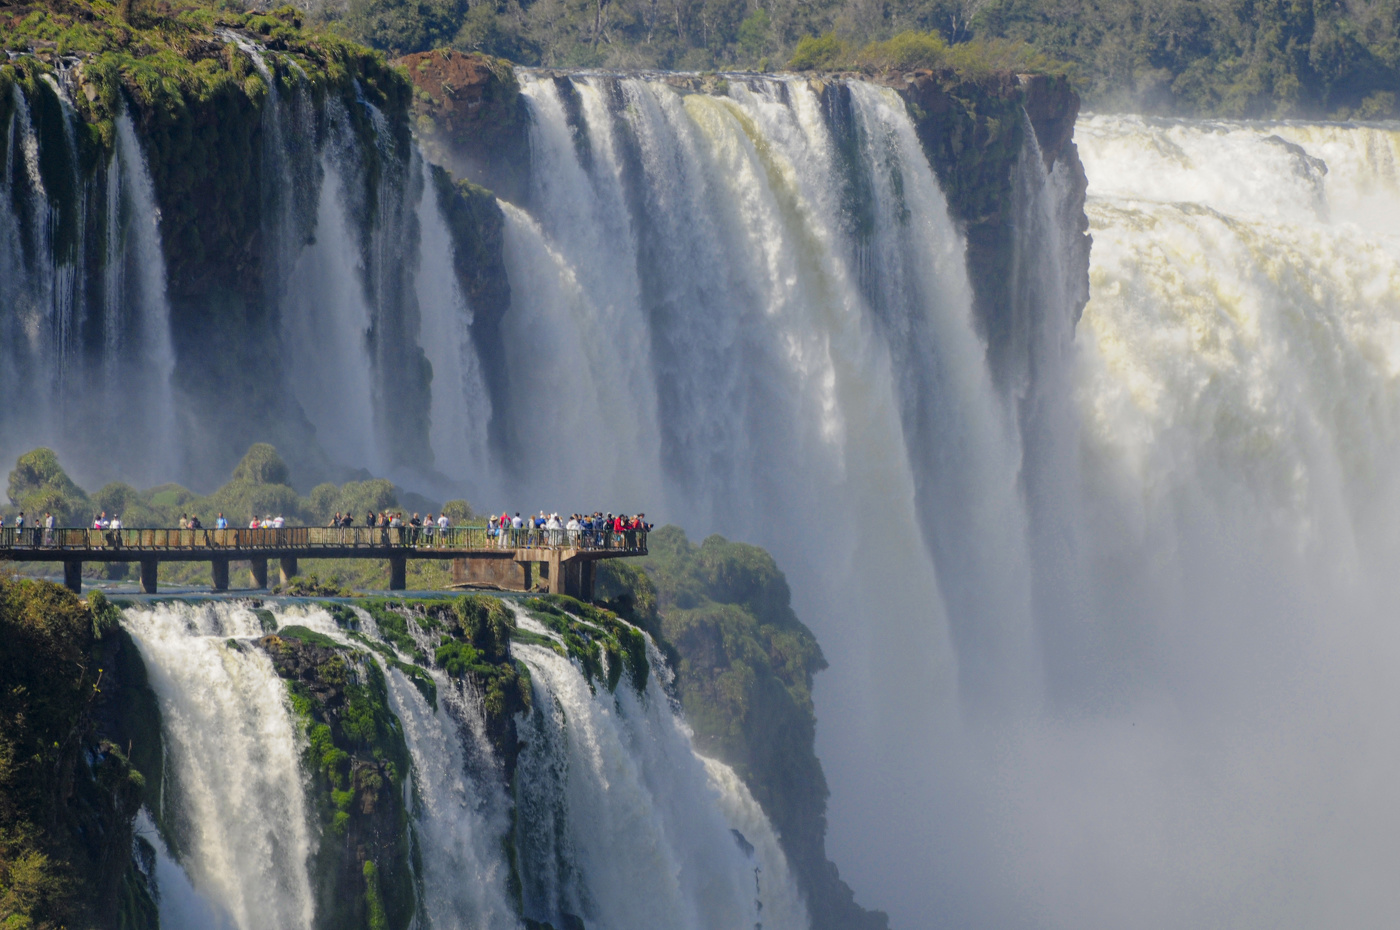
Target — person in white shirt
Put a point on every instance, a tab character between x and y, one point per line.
278	522
574	528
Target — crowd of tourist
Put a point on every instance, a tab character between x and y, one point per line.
597	530
581	531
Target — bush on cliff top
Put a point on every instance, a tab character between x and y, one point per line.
168	56
911	49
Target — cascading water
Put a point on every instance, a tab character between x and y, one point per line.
461	406
818	389
1124	563
236	796
652	834
461	817
87	358
1104	628
1214	596
622	825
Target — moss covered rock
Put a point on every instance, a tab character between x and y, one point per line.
358	761
69	792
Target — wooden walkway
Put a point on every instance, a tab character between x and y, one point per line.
511	563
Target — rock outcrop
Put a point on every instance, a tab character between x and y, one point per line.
470	119
974	132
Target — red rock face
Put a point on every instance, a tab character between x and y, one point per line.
459	88
470	118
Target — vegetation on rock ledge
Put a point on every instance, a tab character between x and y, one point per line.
68	792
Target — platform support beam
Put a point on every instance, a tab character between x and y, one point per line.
149	569
73	576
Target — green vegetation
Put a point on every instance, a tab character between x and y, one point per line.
911	49
163	55
1308	58
64	779
38	485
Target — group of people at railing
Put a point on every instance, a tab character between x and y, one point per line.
580	531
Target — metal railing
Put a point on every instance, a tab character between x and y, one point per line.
315	537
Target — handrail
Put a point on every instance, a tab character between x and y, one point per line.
311	538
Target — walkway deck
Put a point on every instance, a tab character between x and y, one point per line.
477	558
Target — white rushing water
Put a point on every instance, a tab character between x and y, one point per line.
461	406
637	830
235	789
1217	624
818	388
621	824
87	358
462	817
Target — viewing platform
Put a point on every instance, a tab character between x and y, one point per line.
510	563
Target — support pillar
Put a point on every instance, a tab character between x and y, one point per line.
259	567
288	569
219	569
570	580
73	576
585	579
148	575
556	573
398	572
528	570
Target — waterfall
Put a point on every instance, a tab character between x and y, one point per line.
461	406
621	825
88	357
818	389
640	831
140	358
236	795
1209	473
461	818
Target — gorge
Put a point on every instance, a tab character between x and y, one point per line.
1096	545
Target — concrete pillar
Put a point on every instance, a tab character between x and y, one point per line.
585	581
148	575
528	573
73	576
398	573
259	572
289	569
572	582
219	569
556	573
